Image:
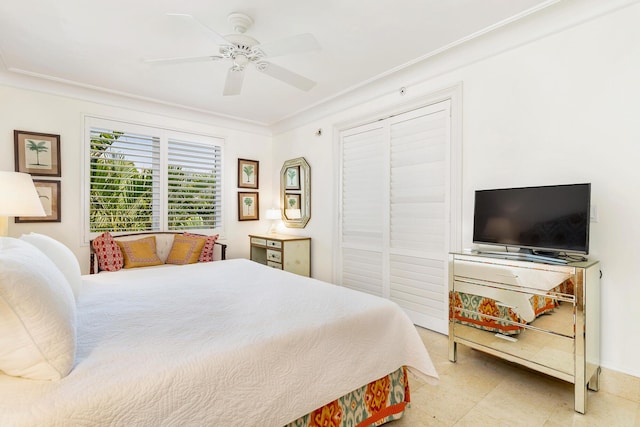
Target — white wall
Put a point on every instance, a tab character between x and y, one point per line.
561	108
38	112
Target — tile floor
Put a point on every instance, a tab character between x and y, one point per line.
481	390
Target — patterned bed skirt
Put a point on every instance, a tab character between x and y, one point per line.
374	404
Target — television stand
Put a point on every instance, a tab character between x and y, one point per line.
525	256
563	342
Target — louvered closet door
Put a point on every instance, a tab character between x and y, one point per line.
395	203
364	156
419	211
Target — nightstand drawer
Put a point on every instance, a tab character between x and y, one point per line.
274	244
258	241
274	265
274	256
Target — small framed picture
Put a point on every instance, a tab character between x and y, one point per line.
37	153
248	206
292	201
248	173
49	193
292	178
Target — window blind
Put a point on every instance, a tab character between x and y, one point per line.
155	181
194	193
124	181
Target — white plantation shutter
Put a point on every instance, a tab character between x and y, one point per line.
124	173
394	213
194	178
142	178
363	182
419	213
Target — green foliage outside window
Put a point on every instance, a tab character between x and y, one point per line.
122	197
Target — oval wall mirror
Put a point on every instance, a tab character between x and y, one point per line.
295	193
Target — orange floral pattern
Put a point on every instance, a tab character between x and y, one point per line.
328	416
378	402
377	393
488	307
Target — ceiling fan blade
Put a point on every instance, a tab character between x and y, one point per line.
217	38
182	59
233	85
286	76
294	44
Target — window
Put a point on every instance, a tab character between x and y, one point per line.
150	179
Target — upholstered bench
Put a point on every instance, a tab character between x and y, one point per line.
105	249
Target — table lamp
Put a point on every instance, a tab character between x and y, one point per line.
273	215
18	197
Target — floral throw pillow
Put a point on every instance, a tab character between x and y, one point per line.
108	252
207	251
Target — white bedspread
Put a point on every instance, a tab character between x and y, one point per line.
230	343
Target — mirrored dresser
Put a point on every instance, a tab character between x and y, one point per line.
543	316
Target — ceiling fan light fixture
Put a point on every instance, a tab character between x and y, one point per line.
240	60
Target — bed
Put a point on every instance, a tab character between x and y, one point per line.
224	343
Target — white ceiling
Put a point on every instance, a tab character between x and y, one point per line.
100	44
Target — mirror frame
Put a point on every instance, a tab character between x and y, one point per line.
305	193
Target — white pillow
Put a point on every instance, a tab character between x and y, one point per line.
37	314
61	256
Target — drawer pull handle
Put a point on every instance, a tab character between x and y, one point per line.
507	337
511	276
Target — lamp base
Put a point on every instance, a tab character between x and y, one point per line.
272	228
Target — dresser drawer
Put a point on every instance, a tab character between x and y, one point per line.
274	244
514	275
509	312
545	350
520	302
274	256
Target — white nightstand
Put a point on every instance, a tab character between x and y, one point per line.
289	253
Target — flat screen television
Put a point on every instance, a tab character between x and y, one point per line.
546	219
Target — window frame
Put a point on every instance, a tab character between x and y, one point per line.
164	134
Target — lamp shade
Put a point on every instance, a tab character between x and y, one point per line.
18	195
273	214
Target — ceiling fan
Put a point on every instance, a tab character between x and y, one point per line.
243	50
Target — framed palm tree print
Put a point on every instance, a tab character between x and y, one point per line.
248	171
248	206
292	177
37	153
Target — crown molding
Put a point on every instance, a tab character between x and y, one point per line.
547	20
45	84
